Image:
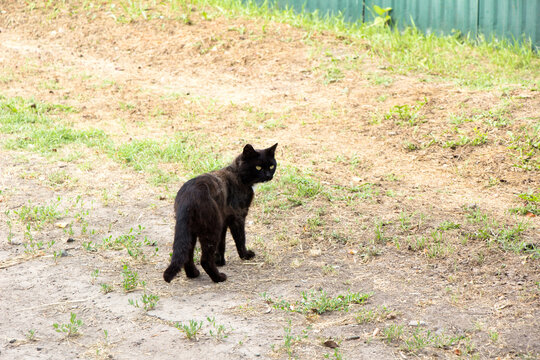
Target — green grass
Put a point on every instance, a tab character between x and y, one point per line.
48	140
531	204
366	316
472	62
420	339
479	138
298	186
525	144
144	155
319	302
507	237
469	61
31	127
392	333
38	215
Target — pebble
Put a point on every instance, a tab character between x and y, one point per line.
417	323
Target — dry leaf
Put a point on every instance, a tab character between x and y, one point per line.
61	225
331	344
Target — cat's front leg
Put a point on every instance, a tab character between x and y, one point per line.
238	232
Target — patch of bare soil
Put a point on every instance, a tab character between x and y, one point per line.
235	81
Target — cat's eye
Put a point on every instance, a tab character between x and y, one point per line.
272	167
258	168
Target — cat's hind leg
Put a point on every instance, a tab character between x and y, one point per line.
182	240
189	266
208	259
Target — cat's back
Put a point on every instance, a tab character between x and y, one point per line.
205	187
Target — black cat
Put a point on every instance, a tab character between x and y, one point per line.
209	204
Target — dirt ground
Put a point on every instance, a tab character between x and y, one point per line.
235	81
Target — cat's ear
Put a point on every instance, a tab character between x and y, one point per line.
272	150
249	152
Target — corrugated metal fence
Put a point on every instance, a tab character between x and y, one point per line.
512	19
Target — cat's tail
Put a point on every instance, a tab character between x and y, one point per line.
181	246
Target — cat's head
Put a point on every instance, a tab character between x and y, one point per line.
256	166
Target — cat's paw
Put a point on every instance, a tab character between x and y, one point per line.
220	260
192	272
248	255
220	277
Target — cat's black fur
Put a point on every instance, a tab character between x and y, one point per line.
209	204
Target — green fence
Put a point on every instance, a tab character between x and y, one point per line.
511	19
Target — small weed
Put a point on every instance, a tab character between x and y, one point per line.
38	215
10	227
494	336
130	279
129	241
31	335
420	339
382	80
191	329
300	187
365	316
405	221
393	333
89	246
333	75
336	355
58	178
369	252
126	106
531	204
526	145
437	247
81	213
478	139
94	274
289	339
410	146
448	225
406	114
70	329
507	237
218	331
329	270
149	301
380	238
106	288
